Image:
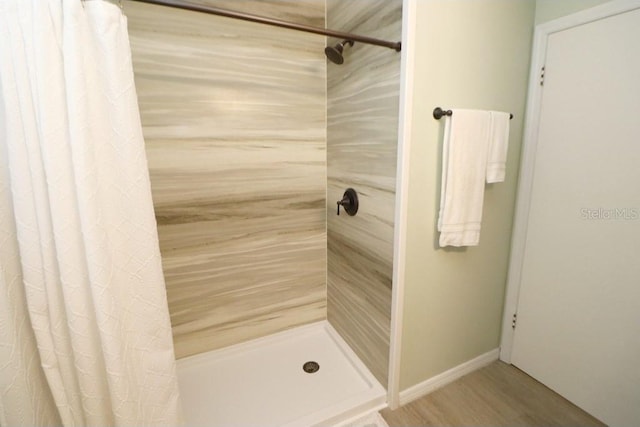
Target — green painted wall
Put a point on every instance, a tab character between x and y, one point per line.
469	54
547	10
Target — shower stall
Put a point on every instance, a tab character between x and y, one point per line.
252	136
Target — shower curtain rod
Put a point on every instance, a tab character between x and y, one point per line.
275	22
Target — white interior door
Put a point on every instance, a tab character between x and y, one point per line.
578	313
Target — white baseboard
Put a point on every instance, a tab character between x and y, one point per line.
434	383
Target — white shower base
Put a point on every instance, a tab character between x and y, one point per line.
262	383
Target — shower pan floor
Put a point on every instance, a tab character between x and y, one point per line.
262	382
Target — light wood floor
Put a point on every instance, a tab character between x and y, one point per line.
497	395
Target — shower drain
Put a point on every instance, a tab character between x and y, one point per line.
310	367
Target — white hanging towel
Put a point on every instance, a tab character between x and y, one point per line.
498	145
464	168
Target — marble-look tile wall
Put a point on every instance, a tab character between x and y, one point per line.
234	121
362	97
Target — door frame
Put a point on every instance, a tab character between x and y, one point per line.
529	148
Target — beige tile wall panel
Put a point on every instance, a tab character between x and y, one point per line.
361	153
234	120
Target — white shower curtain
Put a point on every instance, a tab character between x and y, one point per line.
85	337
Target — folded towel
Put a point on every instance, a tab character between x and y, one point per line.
464	167
498	144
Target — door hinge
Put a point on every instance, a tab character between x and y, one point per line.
542	76
514	320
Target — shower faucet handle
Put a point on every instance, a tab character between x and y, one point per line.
343	202
349	202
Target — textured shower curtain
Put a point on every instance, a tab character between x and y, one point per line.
85	337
